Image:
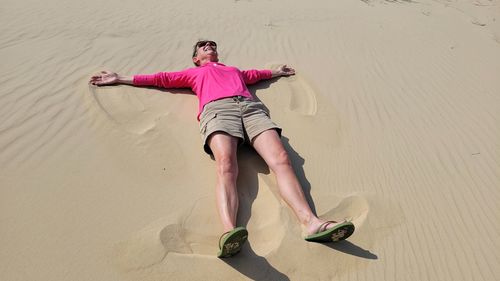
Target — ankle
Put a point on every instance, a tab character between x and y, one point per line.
313	221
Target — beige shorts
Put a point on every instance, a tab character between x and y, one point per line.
237	116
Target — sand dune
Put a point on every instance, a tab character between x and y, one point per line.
391	121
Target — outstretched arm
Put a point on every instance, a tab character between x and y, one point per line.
283	70
253	76
179	79
110	78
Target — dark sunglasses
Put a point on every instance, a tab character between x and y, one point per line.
203	43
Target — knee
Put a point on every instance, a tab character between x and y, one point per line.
280	160
227	166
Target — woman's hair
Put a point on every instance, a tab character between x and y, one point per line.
195	48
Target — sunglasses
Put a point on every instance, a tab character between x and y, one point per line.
203	43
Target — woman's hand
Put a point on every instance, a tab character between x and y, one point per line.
283	70
105	78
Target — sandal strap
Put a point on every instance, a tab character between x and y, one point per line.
324	225
220	239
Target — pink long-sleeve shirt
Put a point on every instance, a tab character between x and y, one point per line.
209	82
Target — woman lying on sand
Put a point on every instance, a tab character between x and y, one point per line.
229	116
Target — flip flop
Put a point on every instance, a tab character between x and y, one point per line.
337	233
232	241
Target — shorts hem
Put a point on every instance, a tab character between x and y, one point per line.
207	148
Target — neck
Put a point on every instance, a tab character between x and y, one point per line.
207	60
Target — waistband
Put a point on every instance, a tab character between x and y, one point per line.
234	98
240	98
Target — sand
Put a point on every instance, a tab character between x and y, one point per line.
391	120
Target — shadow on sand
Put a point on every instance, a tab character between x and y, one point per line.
254	266
351	249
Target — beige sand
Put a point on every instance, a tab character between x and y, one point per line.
392	120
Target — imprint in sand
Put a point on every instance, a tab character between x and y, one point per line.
302	96
135	110
195	235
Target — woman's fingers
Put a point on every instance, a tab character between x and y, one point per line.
287	70
98	79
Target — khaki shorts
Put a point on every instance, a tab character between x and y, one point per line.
237	116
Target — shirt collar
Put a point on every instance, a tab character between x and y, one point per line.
213	63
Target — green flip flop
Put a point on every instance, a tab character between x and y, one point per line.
230	243
337	233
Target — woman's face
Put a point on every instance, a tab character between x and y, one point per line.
205	51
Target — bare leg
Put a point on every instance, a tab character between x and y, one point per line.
269	146
224	148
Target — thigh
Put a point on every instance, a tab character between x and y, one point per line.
269	146
223	146
256	120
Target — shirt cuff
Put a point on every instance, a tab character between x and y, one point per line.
267	74
144	80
